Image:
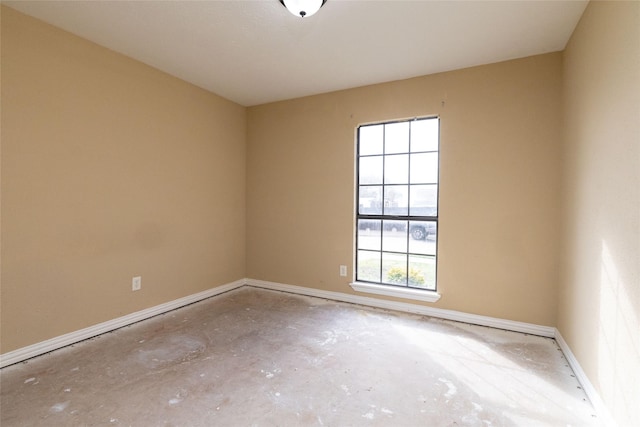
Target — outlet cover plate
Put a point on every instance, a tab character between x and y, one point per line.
136	283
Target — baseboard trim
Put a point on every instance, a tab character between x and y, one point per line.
52	344
527	328
601	409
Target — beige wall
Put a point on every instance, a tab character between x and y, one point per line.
499	194
599	309
110	169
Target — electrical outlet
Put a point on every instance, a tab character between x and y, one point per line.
136	283
343	270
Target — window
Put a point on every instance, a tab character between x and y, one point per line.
397	193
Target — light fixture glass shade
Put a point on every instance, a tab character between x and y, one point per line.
303	8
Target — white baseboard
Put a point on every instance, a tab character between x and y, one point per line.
545	331
527	328
593	395
43	347
49	345
55	343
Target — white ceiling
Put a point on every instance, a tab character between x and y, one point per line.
254	52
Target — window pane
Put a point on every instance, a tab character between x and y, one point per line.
422	272
369	266
396	169
394	269
370	202
369	234
371	140
396	200
396	138
370	170
397	185
424	168
423	237
424	135
394	236
424	200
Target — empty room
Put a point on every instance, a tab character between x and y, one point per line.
308	212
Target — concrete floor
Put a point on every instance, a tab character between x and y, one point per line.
253	357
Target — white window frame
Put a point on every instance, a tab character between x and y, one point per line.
406	292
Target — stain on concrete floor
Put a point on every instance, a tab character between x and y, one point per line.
254	357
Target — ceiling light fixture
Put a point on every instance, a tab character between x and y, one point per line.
303	8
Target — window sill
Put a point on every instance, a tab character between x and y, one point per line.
394	291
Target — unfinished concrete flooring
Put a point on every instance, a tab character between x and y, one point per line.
253	357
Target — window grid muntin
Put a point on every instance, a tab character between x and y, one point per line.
408	218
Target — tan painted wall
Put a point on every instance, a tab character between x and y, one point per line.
499	205
110	169
599	308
